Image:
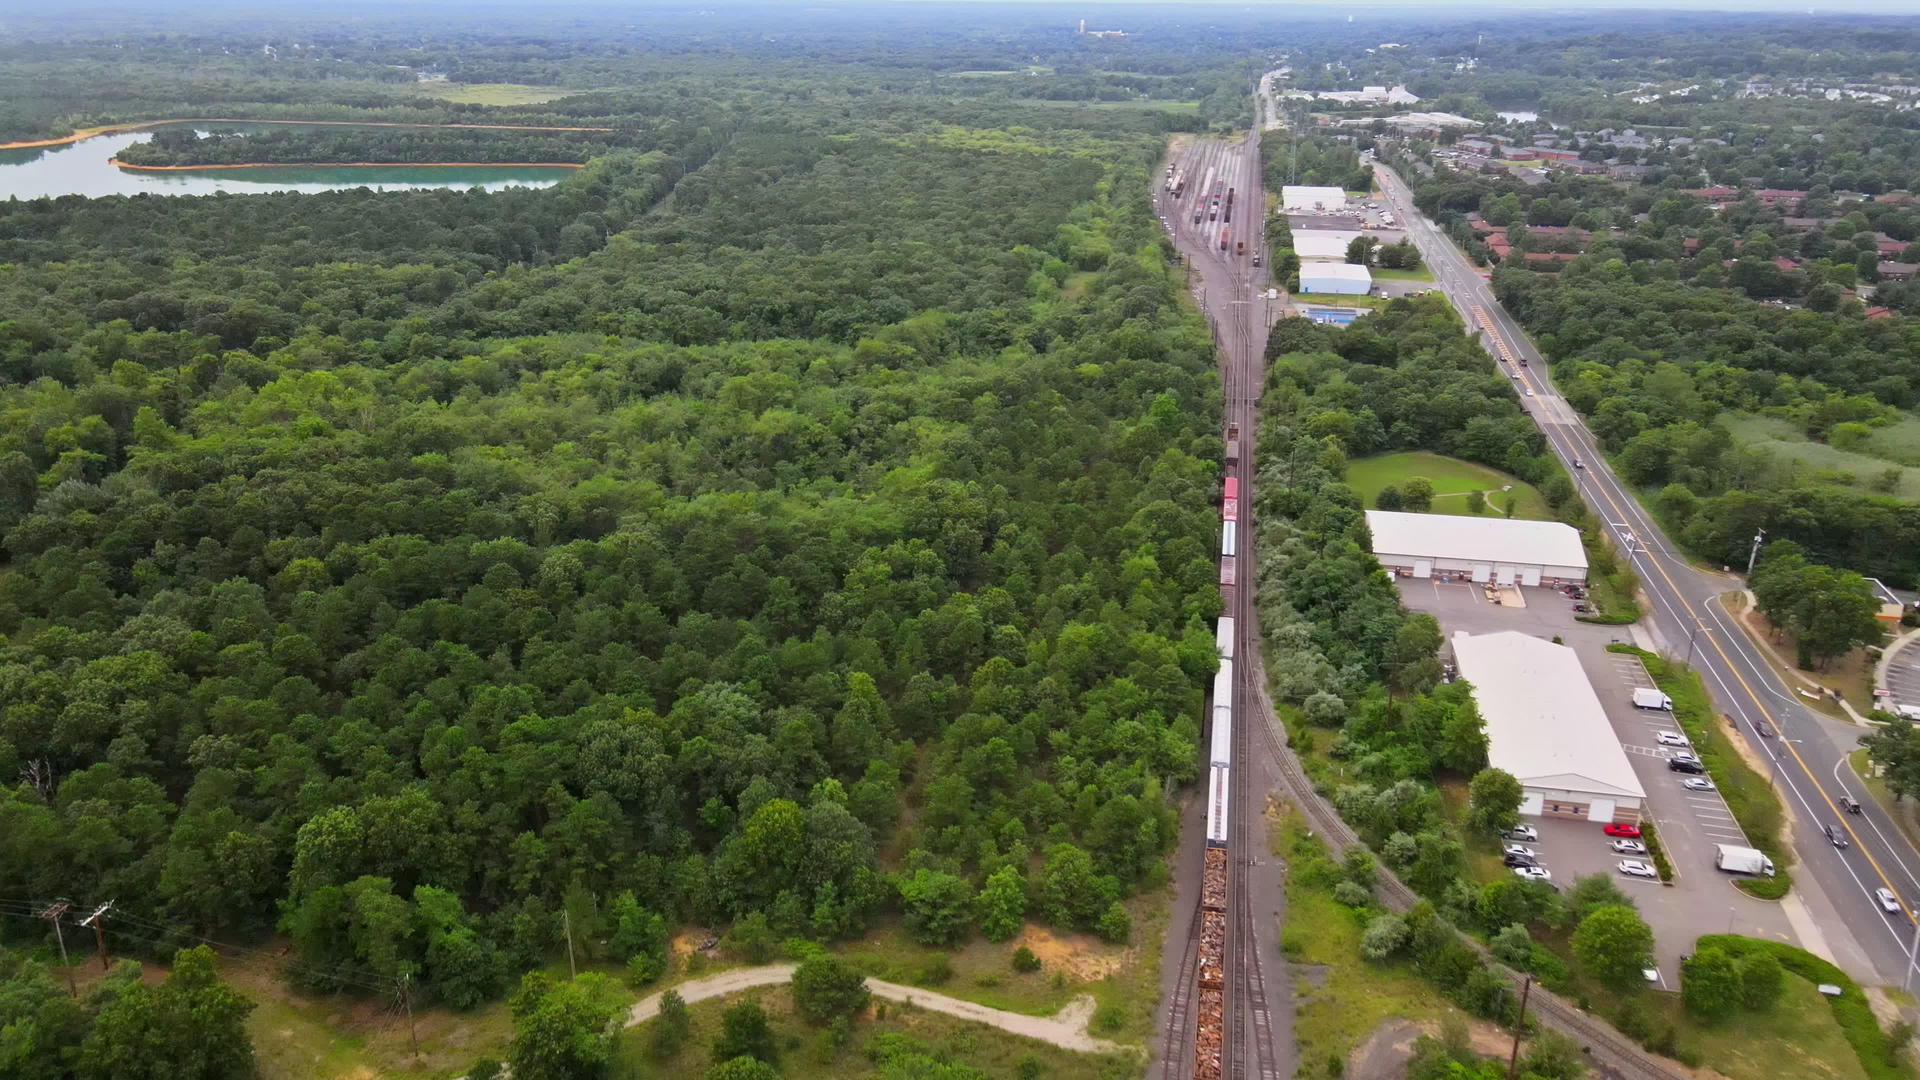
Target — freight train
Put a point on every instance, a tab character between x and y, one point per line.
1227	214
1210	978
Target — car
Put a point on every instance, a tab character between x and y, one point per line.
1686	765
1847	804
1529	391
1256	258
1522	832
1519	849
1615	828
1670	738
1763	729
1578	464
1697	783
1836	837
1636	868
1519	860
1888	901
1629	847
1532	873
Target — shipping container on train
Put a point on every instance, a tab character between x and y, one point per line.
1230	500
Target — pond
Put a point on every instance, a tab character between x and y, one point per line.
81	169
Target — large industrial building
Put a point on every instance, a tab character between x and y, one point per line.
1335	277
1300	197
1322	245
1545	726
1491	549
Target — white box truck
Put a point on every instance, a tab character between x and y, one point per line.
1652	699
1742	860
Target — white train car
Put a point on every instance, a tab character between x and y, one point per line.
1223	637
1222	741
1218	781
1229	546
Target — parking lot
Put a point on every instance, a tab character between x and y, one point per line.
1701	899
1903	676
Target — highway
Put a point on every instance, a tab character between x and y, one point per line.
1807	758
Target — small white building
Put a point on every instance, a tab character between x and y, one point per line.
1322	244
1335	277
1546	727
1299	198
1479	548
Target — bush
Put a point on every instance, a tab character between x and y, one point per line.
1108	1019
1513	946
1850	1009
484	1069
644	968
1352	895
1385	936
1116	926
1024	961
671	1028
936	972
825	989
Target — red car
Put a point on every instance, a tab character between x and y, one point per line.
1631	832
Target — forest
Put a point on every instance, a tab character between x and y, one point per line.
759	527
178	146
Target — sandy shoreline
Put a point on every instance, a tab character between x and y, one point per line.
113	129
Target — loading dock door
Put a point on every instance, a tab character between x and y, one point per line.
1506	575
1529	575
1423	568
1530	806
1482	572
1600	810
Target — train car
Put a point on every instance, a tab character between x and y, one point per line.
1230	501
1227	212
1229	542
1222	751
1223	637
1227	572
1219	781
1225	238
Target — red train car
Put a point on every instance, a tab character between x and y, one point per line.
1230	504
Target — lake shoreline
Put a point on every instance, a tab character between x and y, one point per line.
114	129
117	163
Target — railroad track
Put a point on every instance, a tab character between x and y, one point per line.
1252	1053
1176	1062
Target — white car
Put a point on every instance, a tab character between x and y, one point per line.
1532	873
1888	901
1523	832
1629	847
1636	868
1697	783
1670	738
1521	850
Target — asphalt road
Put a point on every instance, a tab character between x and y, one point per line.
1219	251
1807	758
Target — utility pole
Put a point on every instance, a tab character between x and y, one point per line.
1758	535
1519	1026
406	1000
98	920
52	913
566	925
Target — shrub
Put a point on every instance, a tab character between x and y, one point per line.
644	968
1108	1019
937	971
484	1069
1352	895
1024	961
1116	926
1385	936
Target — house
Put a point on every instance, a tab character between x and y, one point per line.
1550	156
1780	197
1522	153
1713	194
1545	139
1879	313
1898	271
1629	172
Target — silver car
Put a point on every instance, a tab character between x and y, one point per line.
1636	868
1629	847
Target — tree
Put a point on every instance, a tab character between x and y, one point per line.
1762	978
671	1028
937	906
1476	503
1494	799
1512	946
1388	499
1591	892
190	1027
1360	249
560	1028
1071	894
1710	984
825	988
1416	495
1894	745
1002	904
745	1032
1386	935
1614	944
742	1068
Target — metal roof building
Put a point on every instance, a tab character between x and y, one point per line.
1479	548
1335	277
1546	727
1311	244
1303	197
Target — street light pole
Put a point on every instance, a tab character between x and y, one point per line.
1758	535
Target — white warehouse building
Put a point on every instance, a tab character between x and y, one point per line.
1491	549
1546	727
1314	245
1296	198
1335	277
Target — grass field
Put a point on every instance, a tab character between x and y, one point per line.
1338	997
1452	479
805	1053
1794	452
1340	300
494	93
1381	273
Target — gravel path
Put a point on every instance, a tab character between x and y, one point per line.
1066	1029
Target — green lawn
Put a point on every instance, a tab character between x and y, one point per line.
1795	454
494	93
1340	300
1798	1040
1452	479
1381	273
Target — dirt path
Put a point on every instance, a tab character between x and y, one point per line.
1066	1029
